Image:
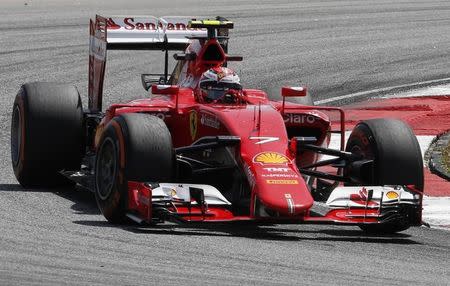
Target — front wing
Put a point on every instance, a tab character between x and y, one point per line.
153	203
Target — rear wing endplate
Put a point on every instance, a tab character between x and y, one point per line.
97	61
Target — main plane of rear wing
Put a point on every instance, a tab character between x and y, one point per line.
149	32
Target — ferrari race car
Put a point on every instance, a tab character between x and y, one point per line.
203	149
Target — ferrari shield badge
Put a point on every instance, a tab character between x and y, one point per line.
220	76
193	123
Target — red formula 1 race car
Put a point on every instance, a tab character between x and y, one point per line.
203	149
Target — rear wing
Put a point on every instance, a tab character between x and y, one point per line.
150	33
133	33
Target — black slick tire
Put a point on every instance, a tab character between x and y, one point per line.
133	147
46	133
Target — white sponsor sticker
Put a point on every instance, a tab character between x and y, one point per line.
210	121
279	173
279	176
278	170
264	139
299	118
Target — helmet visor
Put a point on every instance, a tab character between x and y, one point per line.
214	93
218	90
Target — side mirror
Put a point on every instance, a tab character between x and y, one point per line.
149	79
185	57
164	89
288	91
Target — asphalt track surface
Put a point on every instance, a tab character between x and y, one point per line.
336	47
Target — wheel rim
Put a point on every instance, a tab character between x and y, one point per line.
16	135
106	168
358	151
363	148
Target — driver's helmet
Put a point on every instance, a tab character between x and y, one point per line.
220	84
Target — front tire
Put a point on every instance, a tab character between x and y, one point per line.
133	147
397	159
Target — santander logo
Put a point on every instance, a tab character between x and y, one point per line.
111	25
130	23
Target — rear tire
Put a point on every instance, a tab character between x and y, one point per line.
393	147
133	147
46	133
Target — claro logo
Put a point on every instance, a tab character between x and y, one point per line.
131	24
299	118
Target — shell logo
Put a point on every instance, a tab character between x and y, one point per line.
392	195
271	158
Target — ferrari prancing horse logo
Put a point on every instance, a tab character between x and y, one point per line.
193	123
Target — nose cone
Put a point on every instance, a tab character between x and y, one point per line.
288	197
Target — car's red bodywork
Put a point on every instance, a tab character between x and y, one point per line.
266	153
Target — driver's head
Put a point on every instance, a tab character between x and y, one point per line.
220	84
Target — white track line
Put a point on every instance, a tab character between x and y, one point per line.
436	211
384	90
442	89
